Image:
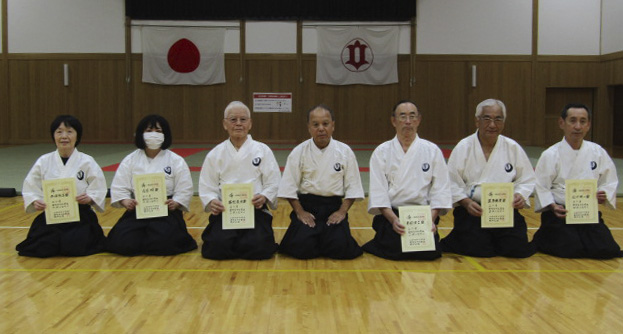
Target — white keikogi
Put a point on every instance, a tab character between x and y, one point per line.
253	163
561	162
89	178
417	177
507	162
176	174
332	171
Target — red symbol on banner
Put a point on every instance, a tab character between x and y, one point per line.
357	55
184	56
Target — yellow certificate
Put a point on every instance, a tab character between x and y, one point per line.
497	205
60	201
581	201
239	212
418	224
150	192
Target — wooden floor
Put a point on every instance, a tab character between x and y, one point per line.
107	293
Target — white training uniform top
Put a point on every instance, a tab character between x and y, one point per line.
176	174
89	178
507	162
253	163
332	171
417	177
561	162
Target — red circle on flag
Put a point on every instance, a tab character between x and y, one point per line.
183	56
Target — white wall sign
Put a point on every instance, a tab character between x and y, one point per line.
272	102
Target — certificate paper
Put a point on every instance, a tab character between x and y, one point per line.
418	222
581	201
60	200
239	212
497	205
150	192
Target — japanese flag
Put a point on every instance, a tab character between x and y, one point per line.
183	56
357	55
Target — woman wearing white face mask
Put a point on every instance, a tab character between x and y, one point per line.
152	236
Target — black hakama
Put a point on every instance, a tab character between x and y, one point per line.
67	239
595	241
388	245
251	244
333	241
469	238
151	236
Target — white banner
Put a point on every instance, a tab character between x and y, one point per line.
183	56
357	55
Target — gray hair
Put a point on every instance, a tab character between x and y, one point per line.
490	103
236	104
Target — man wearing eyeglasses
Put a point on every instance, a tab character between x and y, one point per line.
406	170
321	182
239	159
488	157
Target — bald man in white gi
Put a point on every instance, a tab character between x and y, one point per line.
404	171
488	157
239	159
318	174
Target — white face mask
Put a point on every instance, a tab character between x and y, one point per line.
153	140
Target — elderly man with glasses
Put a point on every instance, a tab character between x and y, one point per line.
405	171
488	157
239	159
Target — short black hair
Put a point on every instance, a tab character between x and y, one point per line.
320	106
69	121
151	121
401	102
563	114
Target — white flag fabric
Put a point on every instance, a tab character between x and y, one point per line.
183	55
357	55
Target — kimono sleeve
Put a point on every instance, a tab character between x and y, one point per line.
32	189
97	186
121	187
209	180
183	188
270	178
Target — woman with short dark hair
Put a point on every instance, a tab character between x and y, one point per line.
80	238
152	236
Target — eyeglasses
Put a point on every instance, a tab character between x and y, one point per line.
234	120
496	120
404	117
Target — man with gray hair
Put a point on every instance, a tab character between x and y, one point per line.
488	157
239	159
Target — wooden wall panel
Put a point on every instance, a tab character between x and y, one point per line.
37	96
559	73
556	99
440	91
4	105
265	76
110	108
613	71
95	95
509	82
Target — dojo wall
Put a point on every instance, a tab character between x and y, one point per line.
533	55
